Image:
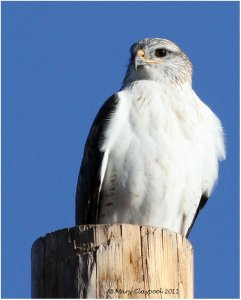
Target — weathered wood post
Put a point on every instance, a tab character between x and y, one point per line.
112	261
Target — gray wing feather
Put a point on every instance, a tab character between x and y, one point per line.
87	193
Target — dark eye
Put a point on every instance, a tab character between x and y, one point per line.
160	52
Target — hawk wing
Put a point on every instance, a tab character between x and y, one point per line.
201	205
89	180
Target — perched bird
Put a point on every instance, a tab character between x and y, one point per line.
151	157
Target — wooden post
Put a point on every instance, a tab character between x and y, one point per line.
112	261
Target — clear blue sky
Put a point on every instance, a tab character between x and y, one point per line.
60	62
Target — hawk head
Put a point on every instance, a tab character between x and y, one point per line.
158	60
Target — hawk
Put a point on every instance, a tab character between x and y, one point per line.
152	154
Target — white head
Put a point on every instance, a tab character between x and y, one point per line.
158	60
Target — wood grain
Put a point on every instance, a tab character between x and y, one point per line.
112	261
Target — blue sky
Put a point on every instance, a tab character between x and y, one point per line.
60	62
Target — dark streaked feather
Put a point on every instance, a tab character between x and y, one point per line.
202	203
87	193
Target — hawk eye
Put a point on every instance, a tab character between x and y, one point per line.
160	52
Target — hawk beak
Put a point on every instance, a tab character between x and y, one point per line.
139	58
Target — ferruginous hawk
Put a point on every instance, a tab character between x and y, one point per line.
151	157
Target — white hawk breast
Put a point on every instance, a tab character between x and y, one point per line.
160	157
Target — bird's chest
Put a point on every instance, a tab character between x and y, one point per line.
154	132
156	120
150	140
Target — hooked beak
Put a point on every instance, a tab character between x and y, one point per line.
139	58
